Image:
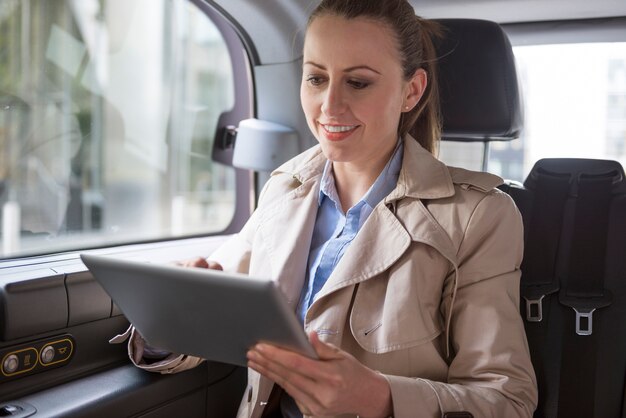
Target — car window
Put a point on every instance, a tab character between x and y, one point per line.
574	106
108	112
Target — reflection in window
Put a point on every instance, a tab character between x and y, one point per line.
108	110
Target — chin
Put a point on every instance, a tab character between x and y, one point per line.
335	155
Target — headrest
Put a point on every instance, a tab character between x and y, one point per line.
575	168
480	98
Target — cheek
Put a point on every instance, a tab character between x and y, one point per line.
307	100
389	109
380	112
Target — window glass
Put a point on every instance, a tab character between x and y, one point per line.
574	106
108	111
462	154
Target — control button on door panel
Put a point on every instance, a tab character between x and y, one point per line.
10	364
47	355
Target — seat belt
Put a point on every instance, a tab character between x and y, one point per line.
583	290
539	280
624	402
539	264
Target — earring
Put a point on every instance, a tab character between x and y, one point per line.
406	108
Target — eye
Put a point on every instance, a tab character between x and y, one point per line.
358	84
315	80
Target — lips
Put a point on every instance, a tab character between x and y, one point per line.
336	132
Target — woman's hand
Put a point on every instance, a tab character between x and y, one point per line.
335	384
201	263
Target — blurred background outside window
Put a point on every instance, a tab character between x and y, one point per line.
108	110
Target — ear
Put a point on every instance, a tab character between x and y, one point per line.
414	89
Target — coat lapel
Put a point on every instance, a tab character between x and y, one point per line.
422	227
286	231
383	239
381	242
386	235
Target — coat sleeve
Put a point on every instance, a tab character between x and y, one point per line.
137	352
490	373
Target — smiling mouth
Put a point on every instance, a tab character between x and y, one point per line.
338	128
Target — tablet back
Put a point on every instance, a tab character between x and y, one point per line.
201	312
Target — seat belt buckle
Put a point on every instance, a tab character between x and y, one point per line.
534	294
534	309
584	307
586	316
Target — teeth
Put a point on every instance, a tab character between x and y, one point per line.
338	128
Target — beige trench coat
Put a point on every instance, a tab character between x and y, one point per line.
427	293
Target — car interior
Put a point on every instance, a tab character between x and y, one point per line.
55	319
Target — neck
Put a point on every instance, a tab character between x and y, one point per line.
353	180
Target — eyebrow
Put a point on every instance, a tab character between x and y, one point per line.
347	70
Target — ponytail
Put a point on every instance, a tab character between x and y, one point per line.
423	122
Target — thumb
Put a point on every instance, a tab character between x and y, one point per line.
324	351
214	265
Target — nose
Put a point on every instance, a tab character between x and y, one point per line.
334	103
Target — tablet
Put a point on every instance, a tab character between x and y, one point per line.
206	313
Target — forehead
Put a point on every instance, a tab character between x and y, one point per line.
334	40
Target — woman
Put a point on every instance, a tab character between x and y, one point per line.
405	272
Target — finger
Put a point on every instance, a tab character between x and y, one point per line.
296	386
311	376
201	263
214	265
194	262
324	351
279	361
271	356
198	262
274	358
290	367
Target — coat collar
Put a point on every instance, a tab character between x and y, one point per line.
305	166
422	176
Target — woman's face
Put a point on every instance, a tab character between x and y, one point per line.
353	90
